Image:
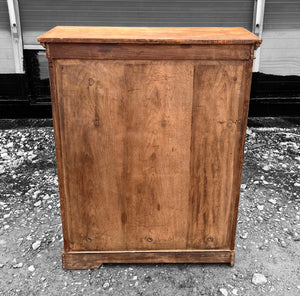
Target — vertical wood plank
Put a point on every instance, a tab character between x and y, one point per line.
216	131
53	74
92	137
243	113
156	160
126	133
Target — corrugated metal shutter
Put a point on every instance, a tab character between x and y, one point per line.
280	51
38	17
7	64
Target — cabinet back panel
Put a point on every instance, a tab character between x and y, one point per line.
150	152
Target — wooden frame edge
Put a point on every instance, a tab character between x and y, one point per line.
245	109
93	259
58	149
108	51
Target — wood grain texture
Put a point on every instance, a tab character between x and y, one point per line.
152	35
149	151
58	149
214	153
149	52
85	260
244	98
133	126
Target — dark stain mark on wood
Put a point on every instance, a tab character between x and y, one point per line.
185	45
153	156
163	123
91	81
96	121
106	48
124	218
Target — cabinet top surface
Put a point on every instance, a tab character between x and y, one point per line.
147	35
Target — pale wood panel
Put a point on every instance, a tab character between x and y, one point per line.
158	108
92	146
150	35
215	149
132	120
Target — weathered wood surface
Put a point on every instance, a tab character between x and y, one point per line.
149	155
154	35
126	137
217	118
84	260
149	52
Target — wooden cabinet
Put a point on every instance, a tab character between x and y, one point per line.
149	130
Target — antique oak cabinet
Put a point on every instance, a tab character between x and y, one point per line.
149	130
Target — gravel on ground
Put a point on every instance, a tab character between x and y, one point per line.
268	231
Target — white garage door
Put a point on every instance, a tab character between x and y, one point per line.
39	16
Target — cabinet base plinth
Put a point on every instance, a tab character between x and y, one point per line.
94	259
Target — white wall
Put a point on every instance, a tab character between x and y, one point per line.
7	64
280	50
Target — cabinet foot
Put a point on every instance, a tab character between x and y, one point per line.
232	258
84	262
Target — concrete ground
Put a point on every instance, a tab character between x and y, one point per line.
268	231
